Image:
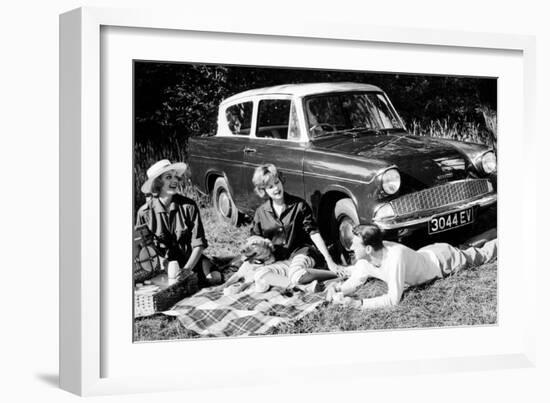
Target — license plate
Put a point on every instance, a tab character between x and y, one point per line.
445	222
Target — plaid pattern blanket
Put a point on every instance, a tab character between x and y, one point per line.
210	313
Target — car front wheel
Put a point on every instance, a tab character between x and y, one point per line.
345	218
223	202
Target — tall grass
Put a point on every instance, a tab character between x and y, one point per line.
463	131
147	152
490	118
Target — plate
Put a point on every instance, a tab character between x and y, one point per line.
444	222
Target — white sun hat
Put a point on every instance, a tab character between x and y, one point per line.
160	167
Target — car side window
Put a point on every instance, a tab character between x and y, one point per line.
239	118
273	118
294	126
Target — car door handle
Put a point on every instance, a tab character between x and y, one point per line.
249	150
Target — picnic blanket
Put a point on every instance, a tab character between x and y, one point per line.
210	313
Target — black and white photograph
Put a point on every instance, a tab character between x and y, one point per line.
277	201
299	201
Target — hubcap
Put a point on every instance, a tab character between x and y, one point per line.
345	232
224	204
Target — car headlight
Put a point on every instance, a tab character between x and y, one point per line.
489	162
391	180
384	211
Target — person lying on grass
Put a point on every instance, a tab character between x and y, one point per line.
287	221
259	260
175	221
399	266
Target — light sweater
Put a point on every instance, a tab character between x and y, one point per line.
401	267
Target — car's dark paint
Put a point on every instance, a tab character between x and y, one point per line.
326	166
335	166
415	156
288	156
215	157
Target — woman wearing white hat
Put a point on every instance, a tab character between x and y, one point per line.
175	220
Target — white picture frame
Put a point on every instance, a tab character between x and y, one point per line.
88	312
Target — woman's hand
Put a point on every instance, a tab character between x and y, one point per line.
218	288
163	261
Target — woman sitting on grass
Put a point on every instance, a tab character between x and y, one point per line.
288	222
175	222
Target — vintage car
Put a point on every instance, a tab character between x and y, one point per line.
344	149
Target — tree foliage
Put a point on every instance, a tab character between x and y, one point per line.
176	101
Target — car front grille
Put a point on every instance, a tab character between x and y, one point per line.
442	195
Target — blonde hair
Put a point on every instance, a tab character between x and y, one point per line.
263	176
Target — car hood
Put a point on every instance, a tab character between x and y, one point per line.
422	161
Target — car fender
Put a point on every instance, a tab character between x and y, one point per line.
340	189
215	173
472	151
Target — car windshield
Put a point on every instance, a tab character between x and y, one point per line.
355	113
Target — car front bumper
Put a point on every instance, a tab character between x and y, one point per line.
421	219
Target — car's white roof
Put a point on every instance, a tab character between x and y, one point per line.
302	90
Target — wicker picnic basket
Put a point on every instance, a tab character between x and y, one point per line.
147	263
165	296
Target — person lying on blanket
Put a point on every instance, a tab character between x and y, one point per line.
399	266
287	221
258	260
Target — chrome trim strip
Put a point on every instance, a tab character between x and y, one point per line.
337	178
485	201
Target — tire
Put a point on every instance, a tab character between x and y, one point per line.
345	218
223	202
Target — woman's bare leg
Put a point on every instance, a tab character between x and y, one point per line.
275	280
316	274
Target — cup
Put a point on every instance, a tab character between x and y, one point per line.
173	270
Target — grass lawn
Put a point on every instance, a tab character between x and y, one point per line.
466	298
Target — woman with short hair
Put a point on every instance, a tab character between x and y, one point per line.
288	222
